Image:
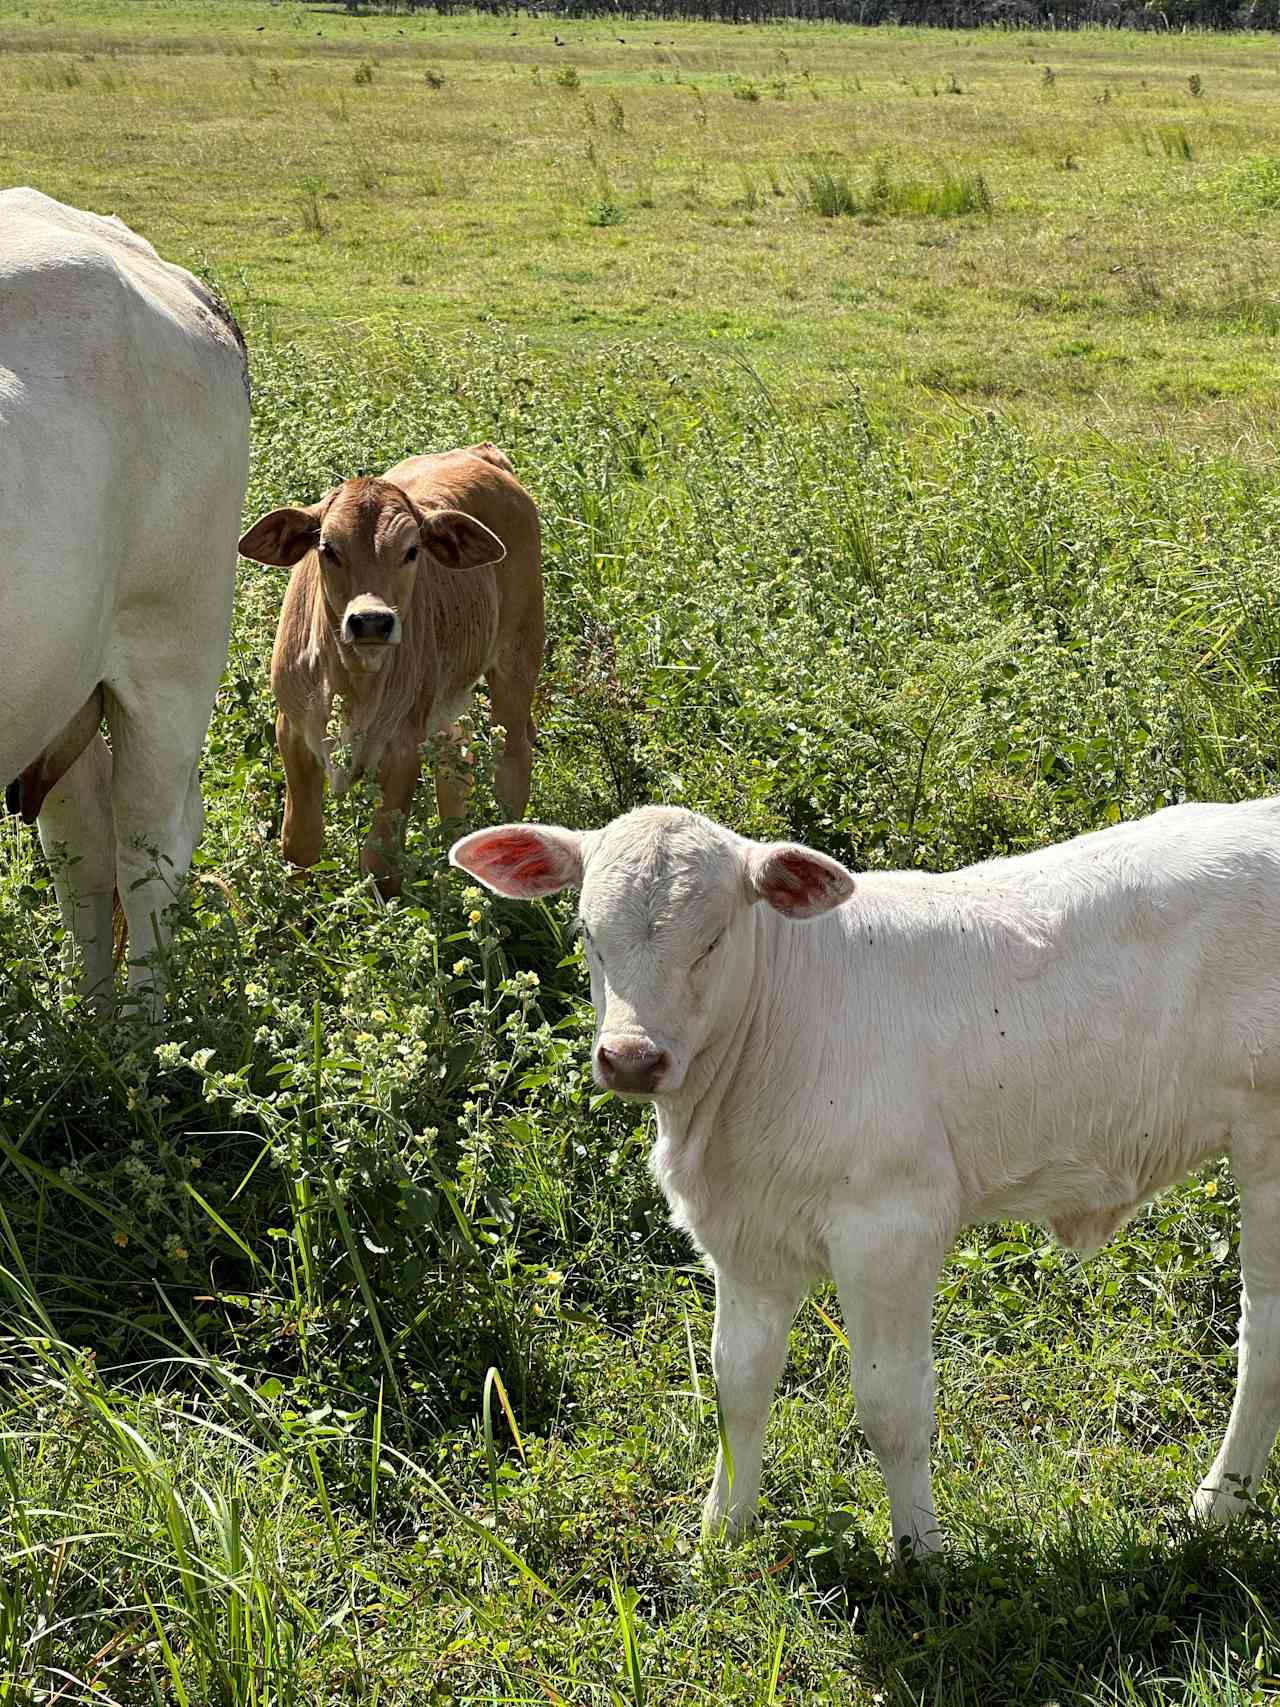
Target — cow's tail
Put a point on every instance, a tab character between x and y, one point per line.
119	929
120	921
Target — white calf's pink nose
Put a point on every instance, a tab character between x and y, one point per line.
630	1063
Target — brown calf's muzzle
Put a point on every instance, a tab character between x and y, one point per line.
368	627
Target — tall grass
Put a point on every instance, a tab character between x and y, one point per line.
946	195
346	1349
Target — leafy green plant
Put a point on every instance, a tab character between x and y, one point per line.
1255	182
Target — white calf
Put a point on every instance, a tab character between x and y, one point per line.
1057	1037
124	430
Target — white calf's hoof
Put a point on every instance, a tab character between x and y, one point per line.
1215	1504
726	1525
918	1549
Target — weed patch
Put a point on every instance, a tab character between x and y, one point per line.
830	192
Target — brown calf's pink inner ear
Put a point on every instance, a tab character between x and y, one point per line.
281	538
459	541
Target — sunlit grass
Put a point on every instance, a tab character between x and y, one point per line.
347	1353
441	170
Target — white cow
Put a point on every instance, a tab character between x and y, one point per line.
1057	1037
124	420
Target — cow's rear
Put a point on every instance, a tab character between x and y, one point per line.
123	459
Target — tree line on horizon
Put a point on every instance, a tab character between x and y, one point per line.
1168	16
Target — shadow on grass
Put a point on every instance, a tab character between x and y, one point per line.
1077	1615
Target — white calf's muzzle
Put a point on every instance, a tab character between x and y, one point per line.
630	1065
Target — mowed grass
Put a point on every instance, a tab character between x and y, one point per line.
347	1353
630	179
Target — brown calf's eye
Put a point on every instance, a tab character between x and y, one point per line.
411	554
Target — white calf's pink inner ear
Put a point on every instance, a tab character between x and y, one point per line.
798	882
521	861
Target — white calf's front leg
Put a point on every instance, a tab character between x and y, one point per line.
748	1350
1255	1414
886	1267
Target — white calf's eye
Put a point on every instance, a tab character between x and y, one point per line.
709	949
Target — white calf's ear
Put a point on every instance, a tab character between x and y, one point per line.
458	540
796	881
522	861
282	537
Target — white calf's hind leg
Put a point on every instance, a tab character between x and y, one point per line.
1255	1414
748	1350
886	1267
77	836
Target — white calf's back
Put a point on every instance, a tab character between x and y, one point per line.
1075	1024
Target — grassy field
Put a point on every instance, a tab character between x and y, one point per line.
658	181
347	1354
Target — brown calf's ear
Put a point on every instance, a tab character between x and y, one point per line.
459	541
282	537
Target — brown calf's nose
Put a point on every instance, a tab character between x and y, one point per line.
631	1065
370	624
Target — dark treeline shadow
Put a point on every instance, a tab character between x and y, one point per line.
1175	16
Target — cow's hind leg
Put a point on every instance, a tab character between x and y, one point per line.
383	852
454	772
511	698
1255	1414
156	804
78	839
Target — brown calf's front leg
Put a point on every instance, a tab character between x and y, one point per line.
383	850
302	837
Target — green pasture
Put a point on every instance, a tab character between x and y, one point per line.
346	1354
380	169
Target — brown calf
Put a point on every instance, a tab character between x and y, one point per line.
407	590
